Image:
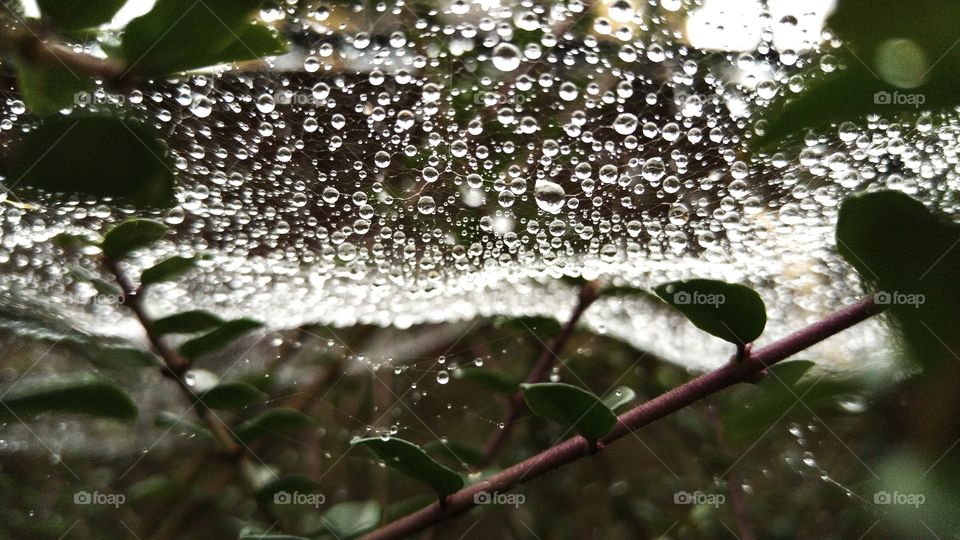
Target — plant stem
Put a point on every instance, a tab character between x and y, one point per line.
577	447
588	295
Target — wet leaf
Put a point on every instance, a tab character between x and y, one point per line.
490	379
411	461
272	423
47	88
95	156
570	406
232	396
73	15
218	339
130	236
731	312
167	270
456	451
85	395
188	322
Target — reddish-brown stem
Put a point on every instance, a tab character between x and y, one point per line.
577	447
588	294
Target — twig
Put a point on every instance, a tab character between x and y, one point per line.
577	447
588	295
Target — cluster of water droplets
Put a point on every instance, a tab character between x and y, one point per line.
406	164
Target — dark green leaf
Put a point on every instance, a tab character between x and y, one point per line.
255	42
490	379
95	156
47	88
69	241
619	397
351	519
118	357
731	312
74	15
188	322
280	491
153	44
271	423
87	395
410	460
132	235
910	258
231	396
179	421
217	339
152	489
457	451
570	406
167	270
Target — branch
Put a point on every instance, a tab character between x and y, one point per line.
588	295
577	447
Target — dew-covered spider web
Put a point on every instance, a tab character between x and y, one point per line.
420	162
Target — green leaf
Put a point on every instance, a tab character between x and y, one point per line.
619	397
153	44
255	42
456	451
47	88
272	422
351	519
177	421
231	396
488	378
731	312
411	461
87	395
74	15
278	490
624	291
167	270
131	235
97	156
218	339
70	241
118	357
188	322
910	259
102	286
153	489
570	406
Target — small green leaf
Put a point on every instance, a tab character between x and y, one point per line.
70	241
47	88
167	270
271	423
217	339
411	461
490	379
177	421
153	44
619	397
570	406
153	489
98	156
102	286
231	396
74	15
456	451
731	312
351	519
88	395
131	235
255	42
188	322
624	291
118	357
280	491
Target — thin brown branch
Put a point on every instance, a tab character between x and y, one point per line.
588	295
577	447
